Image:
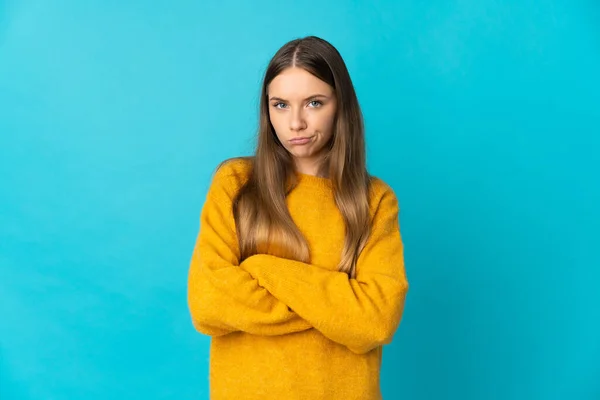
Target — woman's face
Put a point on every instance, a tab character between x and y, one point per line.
302	110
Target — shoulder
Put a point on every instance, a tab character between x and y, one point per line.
382	196
380	189
231	174
238	168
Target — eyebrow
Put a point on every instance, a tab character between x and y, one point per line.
314	96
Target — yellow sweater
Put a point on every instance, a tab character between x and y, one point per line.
330	346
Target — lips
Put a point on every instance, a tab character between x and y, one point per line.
301	140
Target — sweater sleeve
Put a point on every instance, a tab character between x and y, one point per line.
222	297
361	313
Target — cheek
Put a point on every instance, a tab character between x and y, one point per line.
276	122
325	124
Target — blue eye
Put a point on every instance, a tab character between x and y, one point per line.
315	103
276	105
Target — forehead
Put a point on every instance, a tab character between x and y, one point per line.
298	83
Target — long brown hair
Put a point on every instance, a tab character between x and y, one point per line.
262	217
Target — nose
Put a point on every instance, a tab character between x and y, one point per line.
297	121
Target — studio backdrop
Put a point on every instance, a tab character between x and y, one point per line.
483	116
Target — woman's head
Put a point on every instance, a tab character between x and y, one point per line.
302	111
307	92
291	107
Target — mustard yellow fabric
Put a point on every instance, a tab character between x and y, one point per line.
283	329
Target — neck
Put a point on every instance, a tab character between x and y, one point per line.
311	168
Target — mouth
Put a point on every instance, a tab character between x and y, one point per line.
301	140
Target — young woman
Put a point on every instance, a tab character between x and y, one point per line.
298	269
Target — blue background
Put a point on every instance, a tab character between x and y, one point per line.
483	115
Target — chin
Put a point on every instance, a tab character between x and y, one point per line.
303	154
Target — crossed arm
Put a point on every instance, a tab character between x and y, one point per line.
257	295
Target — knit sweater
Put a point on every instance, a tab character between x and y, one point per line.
283	329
